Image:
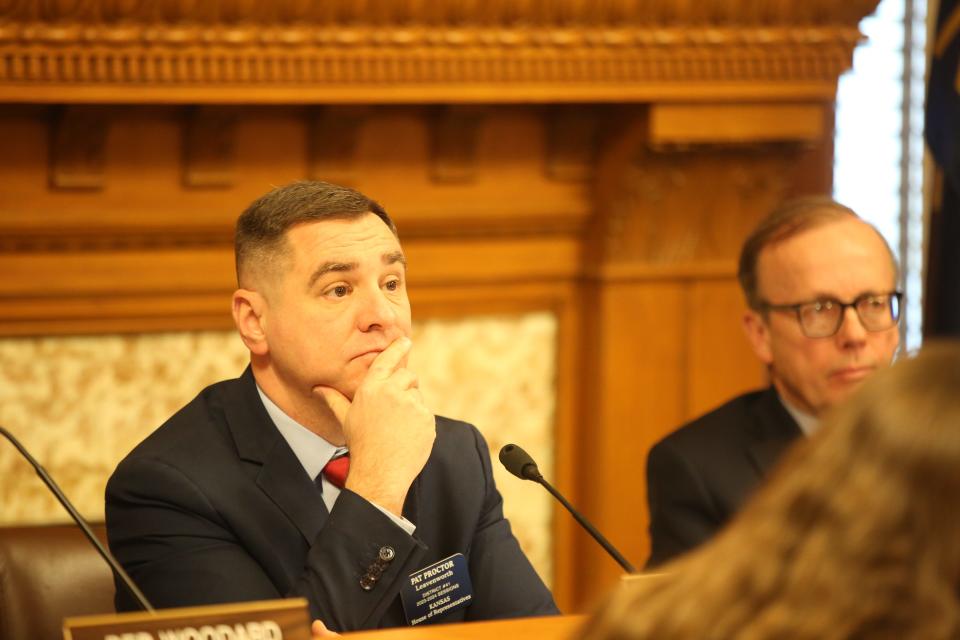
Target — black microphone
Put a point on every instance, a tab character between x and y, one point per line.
87	531
519	463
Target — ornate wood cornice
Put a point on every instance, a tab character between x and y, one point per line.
415	50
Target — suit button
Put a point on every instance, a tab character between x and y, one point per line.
387	554
367	582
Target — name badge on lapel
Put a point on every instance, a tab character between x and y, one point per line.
435	591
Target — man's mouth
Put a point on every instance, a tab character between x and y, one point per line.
851	374
369	354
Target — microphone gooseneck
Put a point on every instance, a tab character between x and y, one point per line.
519	463
87	531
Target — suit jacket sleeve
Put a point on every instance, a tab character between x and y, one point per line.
505	584
682	514
207	562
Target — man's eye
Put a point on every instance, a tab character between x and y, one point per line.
823	306
392	285
340	290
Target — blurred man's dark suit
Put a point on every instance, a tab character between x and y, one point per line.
700	475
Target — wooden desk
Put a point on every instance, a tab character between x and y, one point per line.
546	628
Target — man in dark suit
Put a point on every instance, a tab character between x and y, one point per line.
244	494
822	316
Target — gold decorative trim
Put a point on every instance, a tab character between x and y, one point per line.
252	61
236	13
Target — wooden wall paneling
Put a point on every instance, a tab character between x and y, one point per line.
144	199
453	142
42	292
719	361
568	454
705	116
78	147
102	273
515	225
813	170
572	141
636	363
508	195
209	147
700	123
485	260
334	133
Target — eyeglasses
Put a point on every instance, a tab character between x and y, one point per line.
823	318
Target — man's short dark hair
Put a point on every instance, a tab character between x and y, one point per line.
783	223
260	237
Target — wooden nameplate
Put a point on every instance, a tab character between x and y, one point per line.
286	619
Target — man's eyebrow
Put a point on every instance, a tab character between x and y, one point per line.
394	257
327	267
863	293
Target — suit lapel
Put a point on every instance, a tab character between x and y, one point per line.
281	476
283	479
775	431
411	505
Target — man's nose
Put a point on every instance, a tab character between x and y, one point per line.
376	312
851	328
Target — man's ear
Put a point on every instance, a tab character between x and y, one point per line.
758	334
249	308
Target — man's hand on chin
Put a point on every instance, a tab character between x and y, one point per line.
387	428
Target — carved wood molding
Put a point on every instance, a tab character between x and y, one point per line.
572	142
453	138
78	147
209	147
332	139
117	13
495	51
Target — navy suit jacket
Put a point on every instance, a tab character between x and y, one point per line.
701	474
215	507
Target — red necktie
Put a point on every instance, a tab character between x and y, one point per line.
336	470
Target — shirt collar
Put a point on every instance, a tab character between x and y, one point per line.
808	423
311	450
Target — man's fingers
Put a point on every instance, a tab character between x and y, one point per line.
337	401
390	358
319	630
405	379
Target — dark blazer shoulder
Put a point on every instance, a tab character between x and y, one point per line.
752	429
730	422
205	423
459	450
455	434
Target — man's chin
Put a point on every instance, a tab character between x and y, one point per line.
842	391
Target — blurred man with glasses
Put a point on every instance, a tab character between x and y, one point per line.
820	286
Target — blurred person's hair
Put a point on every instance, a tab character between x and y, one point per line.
856	535
260	237
786	221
